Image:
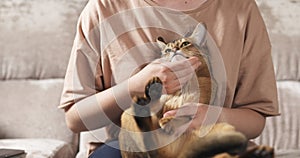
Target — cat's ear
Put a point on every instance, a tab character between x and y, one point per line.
199	34
161	43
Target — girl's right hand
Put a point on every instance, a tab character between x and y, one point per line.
172	74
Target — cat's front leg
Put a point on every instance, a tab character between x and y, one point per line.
143	115
142	105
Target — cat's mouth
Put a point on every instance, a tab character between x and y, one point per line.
178	55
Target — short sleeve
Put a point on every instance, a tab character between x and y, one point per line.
84	73
256	88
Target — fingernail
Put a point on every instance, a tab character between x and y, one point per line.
169	113
166	114
199	63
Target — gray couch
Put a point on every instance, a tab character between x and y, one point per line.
282	19
35	41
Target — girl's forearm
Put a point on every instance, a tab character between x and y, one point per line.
247	121
98	110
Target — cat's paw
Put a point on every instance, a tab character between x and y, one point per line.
174	125
163	123
140	100
153	89
140	106
259	152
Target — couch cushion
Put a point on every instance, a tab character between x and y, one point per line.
282	20
283	132
36	37
288	154
86	138
40	148
29	110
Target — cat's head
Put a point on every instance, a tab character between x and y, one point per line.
185	47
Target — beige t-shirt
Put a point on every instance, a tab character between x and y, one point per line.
115	37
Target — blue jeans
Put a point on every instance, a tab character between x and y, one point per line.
108	150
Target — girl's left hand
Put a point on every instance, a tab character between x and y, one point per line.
198	114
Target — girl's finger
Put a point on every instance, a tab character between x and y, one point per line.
170	113
189	109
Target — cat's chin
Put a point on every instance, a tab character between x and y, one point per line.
178	57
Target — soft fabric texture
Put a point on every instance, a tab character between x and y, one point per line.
36	37
90	140
283	132
98	59
36	40
40	148
282	19
107	150
29	110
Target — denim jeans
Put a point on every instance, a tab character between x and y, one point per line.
108	150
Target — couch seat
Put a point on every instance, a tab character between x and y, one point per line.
39	148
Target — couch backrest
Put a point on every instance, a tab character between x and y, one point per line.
36	39
282	20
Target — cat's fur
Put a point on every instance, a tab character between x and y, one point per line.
144	127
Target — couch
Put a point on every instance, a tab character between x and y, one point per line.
282	18
35	41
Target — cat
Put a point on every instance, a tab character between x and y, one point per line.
145	133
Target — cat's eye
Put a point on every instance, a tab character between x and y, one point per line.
168	50
185	43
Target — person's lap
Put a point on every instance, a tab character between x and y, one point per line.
108	150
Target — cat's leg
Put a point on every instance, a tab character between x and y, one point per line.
142	105
258	152
143	115
137	120
220	138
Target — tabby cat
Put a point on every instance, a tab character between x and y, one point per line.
145	133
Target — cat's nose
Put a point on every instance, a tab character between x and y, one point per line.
179	52
174	50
